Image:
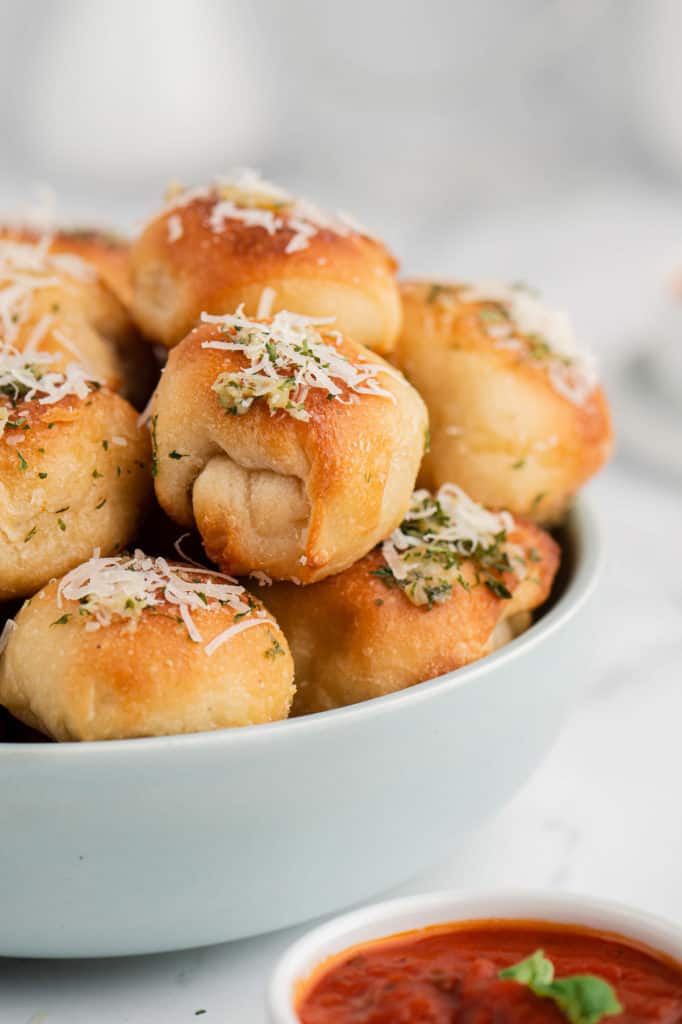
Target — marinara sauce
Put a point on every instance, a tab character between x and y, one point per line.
448	974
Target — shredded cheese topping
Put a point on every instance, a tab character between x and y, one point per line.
26	376
175	229
7	630
122	587
287	357
28	268
246	197
425	554
514	318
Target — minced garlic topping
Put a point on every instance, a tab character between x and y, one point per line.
287	357
123	587
26	376
244	196
516	319
424	556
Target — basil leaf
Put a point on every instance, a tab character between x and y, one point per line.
582	998
534	970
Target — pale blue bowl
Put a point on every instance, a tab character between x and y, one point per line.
140	846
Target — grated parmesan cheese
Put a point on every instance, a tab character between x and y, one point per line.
267	297
425	554
246	197
551	341
122	587
6	633
25	377
261	578
27	268
175	229
287	357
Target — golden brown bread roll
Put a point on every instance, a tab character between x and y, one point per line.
54	296
292	449
516	415
74	470
135	646
450	585
107	252
212	249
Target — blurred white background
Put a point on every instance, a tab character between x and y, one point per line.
417	115
523	138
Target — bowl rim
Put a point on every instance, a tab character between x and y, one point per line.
389	917
585	523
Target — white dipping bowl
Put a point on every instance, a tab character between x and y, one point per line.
140	846
413	912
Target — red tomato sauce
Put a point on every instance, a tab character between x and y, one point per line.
449	975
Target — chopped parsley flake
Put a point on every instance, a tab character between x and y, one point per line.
275	648
425	556
286	359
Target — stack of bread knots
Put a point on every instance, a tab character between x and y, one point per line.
367	523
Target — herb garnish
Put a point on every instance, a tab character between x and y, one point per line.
582	998
441	534
275	649
285	360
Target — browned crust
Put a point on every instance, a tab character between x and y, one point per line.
142	678
108	253
68	486
353	637
447	337
215	271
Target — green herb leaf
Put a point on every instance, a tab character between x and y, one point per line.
177	455
536	969
490	315
275	648
23	464
498	588
62	620
385	574
582	998
435	291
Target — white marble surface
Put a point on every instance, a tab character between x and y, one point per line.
602	815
